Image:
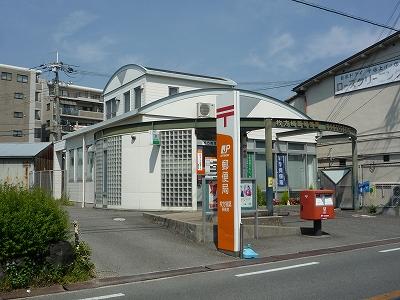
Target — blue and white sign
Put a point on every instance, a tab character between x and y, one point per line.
281	169
370	76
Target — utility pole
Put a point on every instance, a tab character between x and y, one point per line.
56	67
57	99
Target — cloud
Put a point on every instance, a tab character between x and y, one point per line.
254	60
93	51
72	24
281	43
292	54
338	41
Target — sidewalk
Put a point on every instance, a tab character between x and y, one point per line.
133	245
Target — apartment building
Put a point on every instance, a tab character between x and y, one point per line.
27	107
21	92
80	106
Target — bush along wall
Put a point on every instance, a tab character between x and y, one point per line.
34	242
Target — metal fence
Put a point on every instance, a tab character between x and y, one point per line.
383	194
49	180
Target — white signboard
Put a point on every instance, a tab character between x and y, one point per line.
323	200
368	77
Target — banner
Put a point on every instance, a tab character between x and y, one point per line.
281	169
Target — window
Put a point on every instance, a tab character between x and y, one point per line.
6	76
296	171
22	78
111	108
79	165
138	97
83	94
71	165
172	90
37	96
18	95
37	114
295	146
17	133
48	123
260	144
386	158
64	93
342	162
38	133
18	114
127	101
90	165
48	106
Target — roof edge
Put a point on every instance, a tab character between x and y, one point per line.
298	87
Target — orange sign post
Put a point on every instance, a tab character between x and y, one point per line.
228	172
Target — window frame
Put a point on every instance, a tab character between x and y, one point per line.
127	99
138	97
6	77
71	166
18	95
18	115
173	90
22	78
17	133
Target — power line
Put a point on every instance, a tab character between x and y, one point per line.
341	104
365	103
344	14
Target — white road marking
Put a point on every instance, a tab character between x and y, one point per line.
104	297
277	269
389	250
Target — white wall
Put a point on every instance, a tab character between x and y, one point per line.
74	189
157	87
141	173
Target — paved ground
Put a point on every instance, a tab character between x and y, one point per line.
136	246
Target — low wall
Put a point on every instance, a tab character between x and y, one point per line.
195	231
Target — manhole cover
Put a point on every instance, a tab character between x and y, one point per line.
119	219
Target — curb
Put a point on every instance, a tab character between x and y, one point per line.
110	281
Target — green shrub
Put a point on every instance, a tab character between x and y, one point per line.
260	197
284	198
372	209
65	200
30	220
82	268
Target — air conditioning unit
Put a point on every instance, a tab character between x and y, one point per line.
205	110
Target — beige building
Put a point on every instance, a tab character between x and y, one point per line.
362	91
80	106
27	109
20	104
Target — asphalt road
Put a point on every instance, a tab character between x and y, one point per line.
357	274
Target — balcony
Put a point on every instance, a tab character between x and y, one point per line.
83	114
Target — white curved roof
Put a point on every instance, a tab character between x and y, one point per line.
184	105
131	72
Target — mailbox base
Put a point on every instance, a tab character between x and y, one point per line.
317	230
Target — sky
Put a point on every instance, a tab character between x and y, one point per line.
253	42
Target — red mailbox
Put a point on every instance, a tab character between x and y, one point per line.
316	205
